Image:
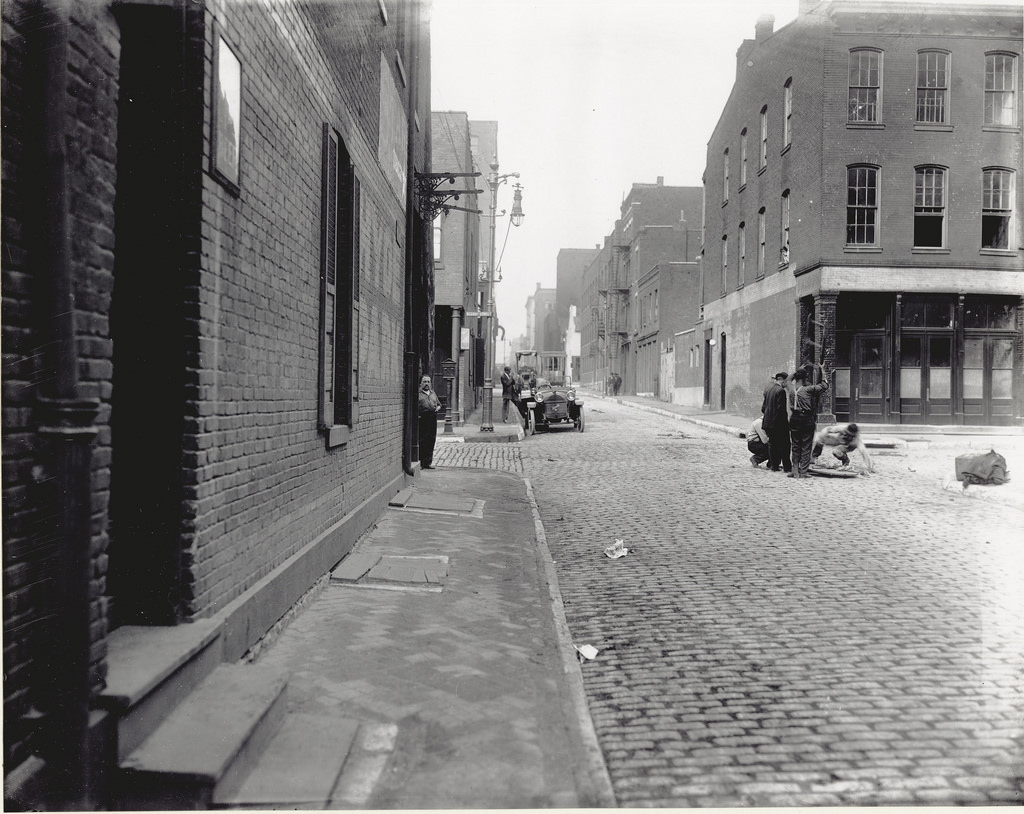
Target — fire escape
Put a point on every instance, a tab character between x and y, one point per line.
614	293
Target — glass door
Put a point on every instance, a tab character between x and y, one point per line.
988	380
926	377
866	387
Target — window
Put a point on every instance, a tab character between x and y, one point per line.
339	291
784	236
861	206
725	263
742	260
996	208
787	125
929	207
764	138
1000	82
932	86
865	86
760	242
437	243
743	157
725	176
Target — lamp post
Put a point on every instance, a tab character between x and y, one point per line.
494	181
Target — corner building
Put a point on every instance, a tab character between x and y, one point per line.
863	200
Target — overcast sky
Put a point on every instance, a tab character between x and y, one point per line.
590	97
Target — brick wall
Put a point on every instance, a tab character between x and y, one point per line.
265	485
31	544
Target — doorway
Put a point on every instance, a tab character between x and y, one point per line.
147	325
926	377
721	364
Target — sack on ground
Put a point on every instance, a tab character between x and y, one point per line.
985	468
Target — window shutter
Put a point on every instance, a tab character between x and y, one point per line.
328	277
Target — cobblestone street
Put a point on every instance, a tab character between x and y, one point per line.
775	642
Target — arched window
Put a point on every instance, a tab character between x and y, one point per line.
760	242
996	207
743	157
787	123
1000	89
861	205
725	176
932	87
929	207
784	236
764	138
865	99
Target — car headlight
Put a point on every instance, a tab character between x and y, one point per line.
571	395
539	397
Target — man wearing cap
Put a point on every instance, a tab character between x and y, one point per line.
804	417
775	423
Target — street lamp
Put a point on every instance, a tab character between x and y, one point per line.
495	180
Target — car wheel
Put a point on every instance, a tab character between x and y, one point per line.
531	427
579	422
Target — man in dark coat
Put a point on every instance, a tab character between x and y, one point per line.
776	424
508	392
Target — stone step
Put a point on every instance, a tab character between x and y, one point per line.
209	743
153	669
299	767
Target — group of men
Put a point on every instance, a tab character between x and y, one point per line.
786	434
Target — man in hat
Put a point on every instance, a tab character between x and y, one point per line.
508	392
775	423
803	417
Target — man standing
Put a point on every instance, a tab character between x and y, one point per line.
429	407
775	423
508	392
804	418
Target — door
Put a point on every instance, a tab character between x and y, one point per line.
860	388
988	380
721	361
707	372
926	377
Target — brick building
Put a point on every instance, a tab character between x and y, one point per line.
650	248
217	300
863	206
569	268
457	286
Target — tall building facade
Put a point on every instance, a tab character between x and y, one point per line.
652	242
217	302
863	200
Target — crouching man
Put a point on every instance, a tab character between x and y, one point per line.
843	439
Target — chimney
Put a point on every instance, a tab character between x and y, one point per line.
661	180
764	28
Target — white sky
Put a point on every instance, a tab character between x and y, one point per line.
590	96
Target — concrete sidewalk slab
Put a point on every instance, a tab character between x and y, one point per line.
478	679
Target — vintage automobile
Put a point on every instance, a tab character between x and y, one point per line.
544	406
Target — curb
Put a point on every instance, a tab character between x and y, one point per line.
597	771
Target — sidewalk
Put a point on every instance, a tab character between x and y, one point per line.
438	663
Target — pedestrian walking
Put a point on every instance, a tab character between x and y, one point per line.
775	421
508	392
803	417
757	443
429	407
616	383
842	439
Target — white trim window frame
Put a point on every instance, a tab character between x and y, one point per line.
743	157
865	86
929	207
997	195
932	87
1000	89
763	158
862	206
787	121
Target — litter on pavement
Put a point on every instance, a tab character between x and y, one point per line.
588	651
616	550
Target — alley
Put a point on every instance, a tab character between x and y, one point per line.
771	642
